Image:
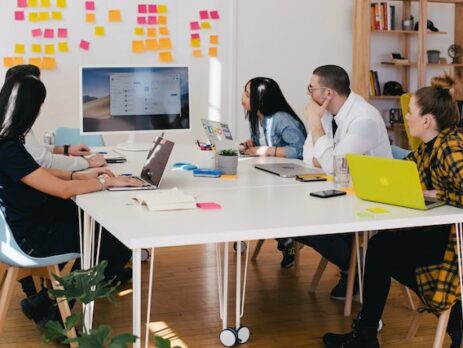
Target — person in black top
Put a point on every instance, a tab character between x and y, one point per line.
36	201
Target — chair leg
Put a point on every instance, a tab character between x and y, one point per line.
7	293
441	328
350	281
318	274
414	326
297	251
257	249
408	297
3	269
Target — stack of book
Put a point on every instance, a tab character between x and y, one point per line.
375	88
172	199
382	16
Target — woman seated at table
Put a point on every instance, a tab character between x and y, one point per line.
36	201
422	258
276	130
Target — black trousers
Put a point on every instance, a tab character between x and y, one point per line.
397	254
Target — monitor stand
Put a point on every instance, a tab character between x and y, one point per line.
131	145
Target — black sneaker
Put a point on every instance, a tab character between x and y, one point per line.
339	291
359	337
284	243
35	307
288	257
455	326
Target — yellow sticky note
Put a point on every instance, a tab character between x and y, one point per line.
349	190
36	48
212	51
165	57
90	17
151	44
195	43
162	20
114	16
228	177
8	62
99	31
138	46
214	39
163	31
45	3
57	15
49	63
162	8
139	31
44	16
36	61
197	53
19	49
151	32
61	3
63	47
205	25
18	60
49	49
378	210
33	3
33	16
165	44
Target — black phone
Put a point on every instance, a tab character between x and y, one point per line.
327	193
310	179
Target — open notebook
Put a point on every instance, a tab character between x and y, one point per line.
172	199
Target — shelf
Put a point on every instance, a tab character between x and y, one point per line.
408	32
385	97
413	64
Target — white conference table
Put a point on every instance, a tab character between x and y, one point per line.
257	205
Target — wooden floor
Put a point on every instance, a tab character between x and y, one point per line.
279	311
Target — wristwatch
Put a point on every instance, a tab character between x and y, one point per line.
66	150
102	180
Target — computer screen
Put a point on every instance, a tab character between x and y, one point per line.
134	99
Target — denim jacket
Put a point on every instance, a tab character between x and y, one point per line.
282	130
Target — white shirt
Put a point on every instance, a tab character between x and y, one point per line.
361	130
45	157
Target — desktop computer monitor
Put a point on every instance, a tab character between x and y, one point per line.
132	99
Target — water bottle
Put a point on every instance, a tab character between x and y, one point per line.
49	138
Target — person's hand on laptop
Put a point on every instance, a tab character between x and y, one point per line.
257	150
430	193
247	144
96	161
124	181
92	173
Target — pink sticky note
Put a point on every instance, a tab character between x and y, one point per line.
85	45
90	5
22	3
141	20
62	32
194	36
214	14
208	206
19	15
36	32
152	8
153	20
141	8
194	25
49	33
203	14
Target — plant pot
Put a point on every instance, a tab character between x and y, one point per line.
227	164
433	56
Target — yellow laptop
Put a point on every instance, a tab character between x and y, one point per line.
388	181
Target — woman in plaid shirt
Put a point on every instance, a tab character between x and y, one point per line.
422	258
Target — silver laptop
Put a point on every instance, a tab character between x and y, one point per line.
154	166
288	170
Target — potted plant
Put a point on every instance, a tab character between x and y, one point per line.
227	161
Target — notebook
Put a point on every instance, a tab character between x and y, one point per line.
390	181
172	199
154	166
288	170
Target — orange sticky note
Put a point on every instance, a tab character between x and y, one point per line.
61	3
8	62
165	44
45	3
195	43
36	48
63	47
19	49
162	9
114	16
151	44
197	53
33	3
90	17
44	16
139	31
165	57
57	15
212	51
36	61
151	32
99	31
214	39
163	31
205	25
138	46
49	49
162	20
49	63
33	16
18	60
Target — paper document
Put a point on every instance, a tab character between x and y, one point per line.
172	199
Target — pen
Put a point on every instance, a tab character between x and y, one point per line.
125	174
102	153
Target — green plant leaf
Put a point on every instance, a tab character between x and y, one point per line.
95	339
160	342
54	332
228	152
122	340
73	320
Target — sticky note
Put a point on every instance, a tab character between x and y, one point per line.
18	60
19	49
195	43
36	48
33	3
44	16
165	57
151	44
90	5
99	31
214	14
162	20
349	190
36	32
90	17
212	51
63	47
49	33
165	44
141	20
49	49
152	20
365	214
56	15
139	31
197	53
195	36
36	61
205	25
194	25
378	210
214	39
49	63
203	15
138	46
151	32
85	45
19	15
163	31
61	3
22	3
8	62
114	16
33	16
162	9
62	32
208	206
142	8
45	3
152	8
228	177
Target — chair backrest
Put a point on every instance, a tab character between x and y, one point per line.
413	142
64	135
398	152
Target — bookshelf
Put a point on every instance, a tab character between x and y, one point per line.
412	45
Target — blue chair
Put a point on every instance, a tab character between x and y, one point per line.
15	264
398	152
64	135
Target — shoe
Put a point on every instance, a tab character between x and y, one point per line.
288	257
35	307
339	291
455	326
52	314
360	337
284	243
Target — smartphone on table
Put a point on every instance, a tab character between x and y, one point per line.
327	193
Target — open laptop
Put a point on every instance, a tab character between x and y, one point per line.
390	181
288	170
154	166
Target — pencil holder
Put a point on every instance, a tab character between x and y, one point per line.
206	159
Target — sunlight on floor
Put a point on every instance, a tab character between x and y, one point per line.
160	328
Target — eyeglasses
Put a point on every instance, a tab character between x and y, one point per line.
310	89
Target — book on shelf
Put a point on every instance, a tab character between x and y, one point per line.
375	87
382	16
159	200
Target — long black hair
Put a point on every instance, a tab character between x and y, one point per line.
20	100
267	97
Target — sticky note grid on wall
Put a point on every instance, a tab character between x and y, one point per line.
201	30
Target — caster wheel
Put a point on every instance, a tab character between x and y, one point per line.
145	255
380	325
243	334
228	337
244	246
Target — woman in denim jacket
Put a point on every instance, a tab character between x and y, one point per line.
282	132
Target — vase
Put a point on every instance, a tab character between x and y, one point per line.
227	164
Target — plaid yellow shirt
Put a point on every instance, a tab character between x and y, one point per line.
441	169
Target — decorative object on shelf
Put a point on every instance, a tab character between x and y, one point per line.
227	161
455	52
433	56
407	24
397	59
393	88
395	116
429	25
